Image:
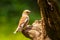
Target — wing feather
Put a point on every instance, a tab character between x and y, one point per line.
23	21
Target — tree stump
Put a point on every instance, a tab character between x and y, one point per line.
51	17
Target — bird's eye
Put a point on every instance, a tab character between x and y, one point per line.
27	12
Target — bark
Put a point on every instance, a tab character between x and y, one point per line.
51	19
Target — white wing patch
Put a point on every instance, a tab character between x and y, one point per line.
22	25
26	19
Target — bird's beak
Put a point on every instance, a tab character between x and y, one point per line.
29	12
18	29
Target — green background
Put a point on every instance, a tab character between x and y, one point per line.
10	13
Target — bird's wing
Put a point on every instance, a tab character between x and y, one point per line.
23	20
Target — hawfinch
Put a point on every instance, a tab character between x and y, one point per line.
23	22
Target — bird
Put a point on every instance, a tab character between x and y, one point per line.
23	22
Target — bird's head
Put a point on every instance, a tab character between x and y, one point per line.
26	12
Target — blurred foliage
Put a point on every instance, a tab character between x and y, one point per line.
10	13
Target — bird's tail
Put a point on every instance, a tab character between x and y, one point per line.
16	30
